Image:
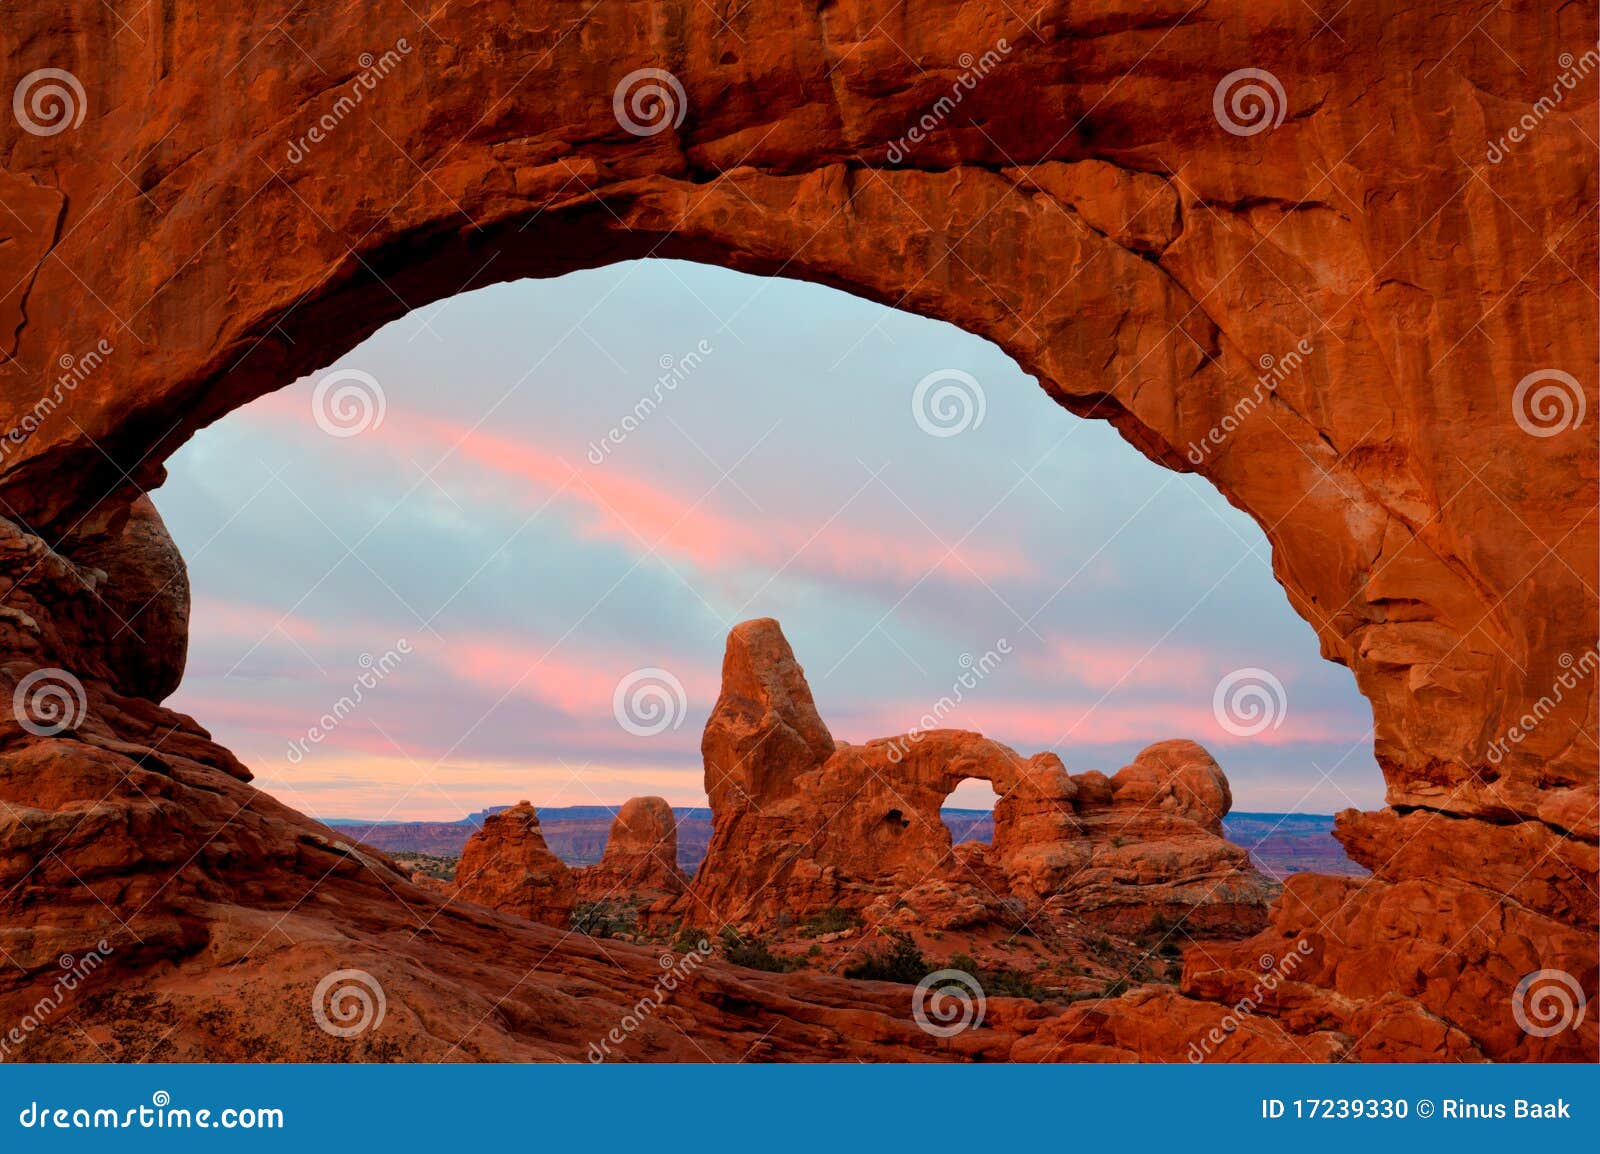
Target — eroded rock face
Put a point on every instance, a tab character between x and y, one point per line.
827	823
641	855
1083	208
507	867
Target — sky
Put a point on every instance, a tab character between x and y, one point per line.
511	530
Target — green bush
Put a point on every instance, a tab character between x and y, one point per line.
830	921
999	981
900	961
604	919
689	938
754	954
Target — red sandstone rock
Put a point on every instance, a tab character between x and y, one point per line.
1438	549
507	867
832	824
641	855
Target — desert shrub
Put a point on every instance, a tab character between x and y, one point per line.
754	954
604	919
830	921
1007	983
899	961
689	938
999	981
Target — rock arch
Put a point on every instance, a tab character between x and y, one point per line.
1082	207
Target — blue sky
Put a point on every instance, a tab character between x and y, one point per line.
516	564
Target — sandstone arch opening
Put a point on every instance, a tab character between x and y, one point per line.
1117	649
571	463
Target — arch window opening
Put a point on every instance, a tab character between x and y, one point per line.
494	552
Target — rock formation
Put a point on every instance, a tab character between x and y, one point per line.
507	867
641	855
801	822
1423	465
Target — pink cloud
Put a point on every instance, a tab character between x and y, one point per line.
580	685
1104	665
641	514
1033	726
221	617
